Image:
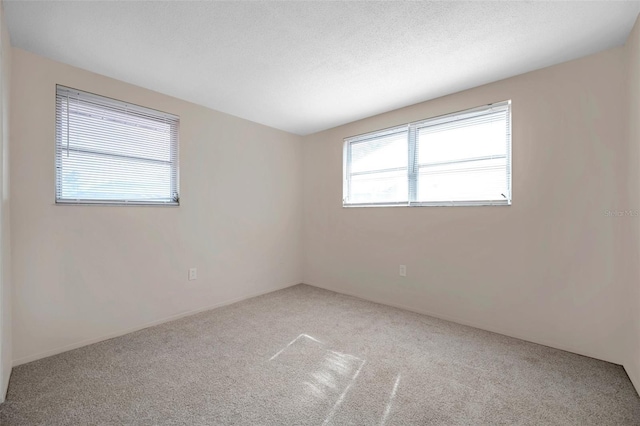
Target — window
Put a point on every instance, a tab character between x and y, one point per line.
112	152
457	159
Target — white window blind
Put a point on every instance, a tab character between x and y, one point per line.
112	152
457	159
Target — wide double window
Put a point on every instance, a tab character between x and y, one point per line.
457	159
112	152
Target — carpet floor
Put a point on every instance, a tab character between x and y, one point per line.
306	356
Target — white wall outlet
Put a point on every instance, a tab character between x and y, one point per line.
193	274
403	270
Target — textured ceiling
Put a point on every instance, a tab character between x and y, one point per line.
309	66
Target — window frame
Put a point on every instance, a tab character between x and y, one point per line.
413	166
105	102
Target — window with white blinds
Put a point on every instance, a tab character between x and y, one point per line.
113	152
457	159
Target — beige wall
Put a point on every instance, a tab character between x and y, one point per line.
5	238
543	269
631	231
83	273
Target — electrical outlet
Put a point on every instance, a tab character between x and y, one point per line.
403	270
193	274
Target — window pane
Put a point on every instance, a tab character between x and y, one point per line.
381	187
377	172
464	181
96	177
114	132
382	153
460	140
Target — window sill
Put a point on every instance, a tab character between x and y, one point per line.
115	203
434	204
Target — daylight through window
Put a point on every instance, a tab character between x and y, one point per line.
456	159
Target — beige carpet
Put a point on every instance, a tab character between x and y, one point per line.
305	356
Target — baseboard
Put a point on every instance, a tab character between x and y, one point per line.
4	387
505	332
59	350
634	377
